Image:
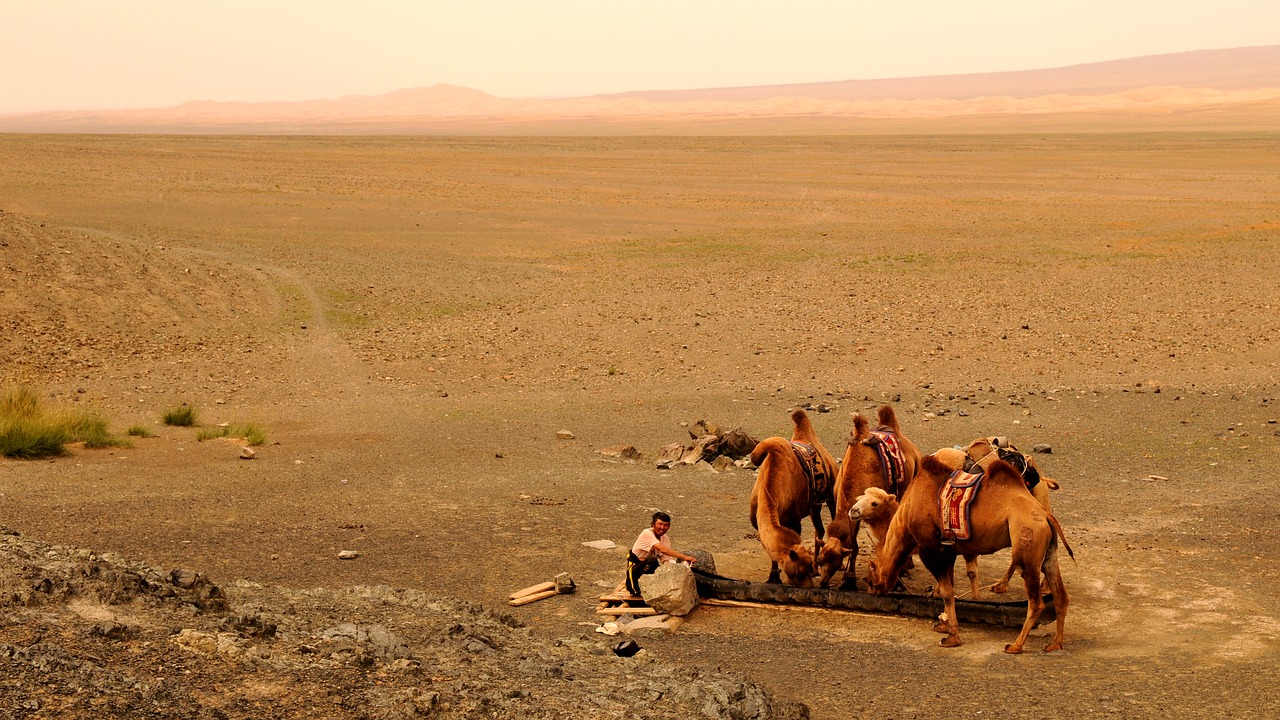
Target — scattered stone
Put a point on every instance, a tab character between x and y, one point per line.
669	455
627	453
722	463
1043	449
701	428
601	544
670	589
565	584
565	435
704	561
247	453
653	625
348	555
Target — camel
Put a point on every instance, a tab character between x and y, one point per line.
876	508
861	469
1002	515
796	478
955	458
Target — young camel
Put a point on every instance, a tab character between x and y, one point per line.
1002	515
861	469
795	479
977	450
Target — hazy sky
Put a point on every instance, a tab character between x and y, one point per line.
89	54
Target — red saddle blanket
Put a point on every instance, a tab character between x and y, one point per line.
890	452
954	499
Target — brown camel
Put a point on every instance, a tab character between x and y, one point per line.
862	468
796	478
1003	514
1041	485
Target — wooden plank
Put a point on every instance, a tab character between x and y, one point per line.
535	597
540	587
620	598
623	610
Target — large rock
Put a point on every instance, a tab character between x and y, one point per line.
670	589
703	561
669	455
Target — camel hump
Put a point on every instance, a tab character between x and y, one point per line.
932	465
804	428
861	429
888	418
766	446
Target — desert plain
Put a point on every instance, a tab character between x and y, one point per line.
412	320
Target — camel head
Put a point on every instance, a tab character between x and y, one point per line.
873	505
881	577
831	558
798	566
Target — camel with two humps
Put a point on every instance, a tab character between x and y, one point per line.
861	469
954	458
1002	515
785	491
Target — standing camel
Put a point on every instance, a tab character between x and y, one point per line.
795	479
1003	514
864	466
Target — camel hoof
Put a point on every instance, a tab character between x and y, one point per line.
1000	588
775	578
849	584
950	640
942	627
1053	647
1013	649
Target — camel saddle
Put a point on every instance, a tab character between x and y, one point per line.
821	478
1013	456
891	461
957	494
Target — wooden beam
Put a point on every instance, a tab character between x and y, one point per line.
535	597
623	610
540	587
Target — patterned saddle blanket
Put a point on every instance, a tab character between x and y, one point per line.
821	478
891	461
954	500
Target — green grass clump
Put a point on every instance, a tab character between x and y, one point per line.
248	432
182	416
141	431
28	430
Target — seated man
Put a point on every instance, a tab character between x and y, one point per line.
652	547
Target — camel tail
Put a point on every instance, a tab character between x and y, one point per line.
1053	522
804	428
888	418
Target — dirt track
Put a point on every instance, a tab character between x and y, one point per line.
412	320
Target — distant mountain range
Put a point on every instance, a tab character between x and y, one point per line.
1179	82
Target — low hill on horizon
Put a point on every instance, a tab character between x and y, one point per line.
1200	84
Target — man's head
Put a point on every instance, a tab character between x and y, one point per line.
661	523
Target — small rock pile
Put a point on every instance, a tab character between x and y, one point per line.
711	445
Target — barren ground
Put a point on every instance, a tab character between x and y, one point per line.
413	319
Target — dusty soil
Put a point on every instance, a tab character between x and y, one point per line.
412	321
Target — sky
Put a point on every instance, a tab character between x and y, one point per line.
117	54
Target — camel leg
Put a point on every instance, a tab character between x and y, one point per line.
971	570
850	581
951	626
775	573
1035	600
1003	585
818	529
1053	576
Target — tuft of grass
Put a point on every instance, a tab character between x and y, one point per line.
28	431
249	432
90	429
182	416
141	431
